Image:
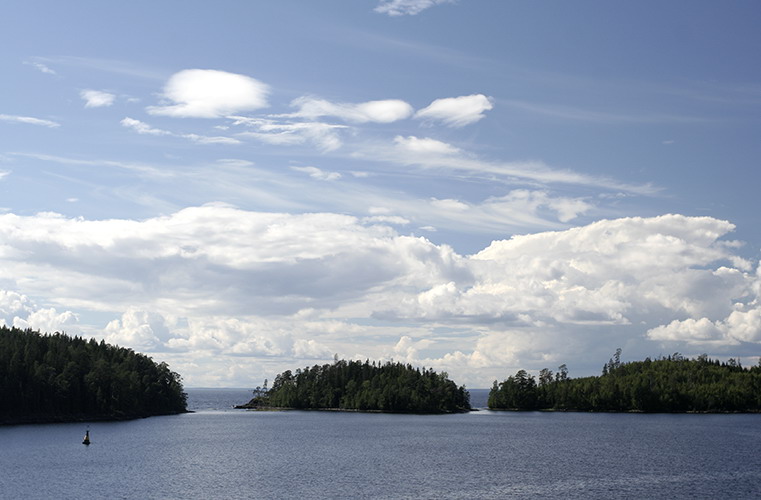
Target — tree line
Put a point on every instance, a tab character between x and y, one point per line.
54	377
667	384
354	385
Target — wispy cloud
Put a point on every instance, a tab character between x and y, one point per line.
126	68
318	174
407	7
97	98
145	129
140	168
456	111
383	111
41	67
287	133
434	154
581	114
29	120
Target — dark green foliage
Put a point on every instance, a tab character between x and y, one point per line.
354	385
670	384
57	377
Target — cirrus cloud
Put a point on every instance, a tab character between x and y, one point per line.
29	120
407	7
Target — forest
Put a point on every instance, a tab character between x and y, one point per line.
666	384
354	385
54	377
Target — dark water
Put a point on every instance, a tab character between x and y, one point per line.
222	453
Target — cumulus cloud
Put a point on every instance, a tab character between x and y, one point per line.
97	98
139	329
20	311
29	120
407	7
219	281
206	93
384	111
49	320
456	111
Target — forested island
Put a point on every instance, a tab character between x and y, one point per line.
363	386
667	384
57	378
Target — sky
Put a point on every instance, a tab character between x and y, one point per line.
477	186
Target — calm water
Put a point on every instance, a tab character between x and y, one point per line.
222	453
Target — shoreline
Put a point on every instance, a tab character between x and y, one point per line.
73	419
686	412
349	410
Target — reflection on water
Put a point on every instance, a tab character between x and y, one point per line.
222	453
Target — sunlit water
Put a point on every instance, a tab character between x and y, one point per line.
218	452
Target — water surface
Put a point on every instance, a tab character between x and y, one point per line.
222	453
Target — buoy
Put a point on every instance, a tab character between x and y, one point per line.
86	440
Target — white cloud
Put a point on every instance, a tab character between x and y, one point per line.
386	219
20	311
425	145
140	330
205	139
449	204
205	93
49	320
142	127
407	7
220	282
97	98
385	111
456	111
740	326
318	174
29	120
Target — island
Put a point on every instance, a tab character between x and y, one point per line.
58	378
363	386
667	384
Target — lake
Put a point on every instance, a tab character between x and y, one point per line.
218	452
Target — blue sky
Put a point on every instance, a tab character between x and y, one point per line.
240	188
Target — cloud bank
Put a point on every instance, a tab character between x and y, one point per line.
218	281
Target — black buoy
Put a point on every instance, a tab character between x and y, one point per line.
86	440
